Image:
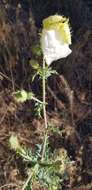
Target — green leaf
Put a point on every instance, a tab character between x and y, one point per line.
34	64
38	109
36	50
49	72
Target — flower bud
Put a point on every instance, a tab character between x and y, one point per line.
14	143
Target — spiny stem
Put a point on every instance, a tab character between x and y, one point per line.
37	100
32	174
44	111
27	181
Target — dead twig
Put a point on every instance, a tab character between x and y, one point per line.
69	93
59	103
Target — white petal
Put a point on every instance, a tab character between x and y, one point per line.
62	52
54	48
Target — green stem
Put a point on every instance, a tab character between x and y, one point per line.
30	177
27	181
44	112
37	100
32	97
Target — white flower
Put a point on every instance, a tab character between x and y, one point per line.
55	39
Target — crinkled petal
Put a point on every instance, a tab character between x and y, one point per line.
53	47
